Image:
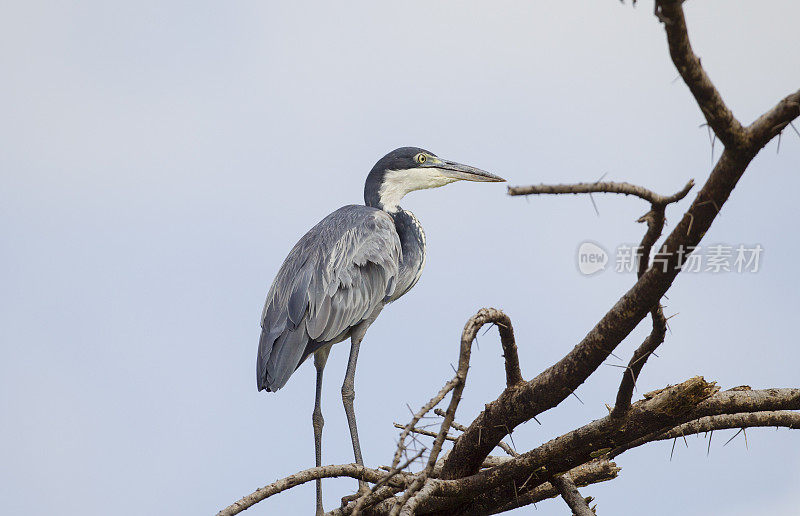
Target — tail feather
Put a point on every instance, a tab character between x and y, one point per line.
279	357
264	351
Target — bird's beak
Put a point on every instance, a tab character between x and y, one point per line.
466	173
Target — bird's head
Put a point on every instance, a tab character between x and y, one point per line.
410	168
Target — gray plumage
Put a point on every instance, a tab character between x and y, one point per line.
343	269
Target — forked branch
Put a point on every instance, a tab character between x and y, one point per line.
553	385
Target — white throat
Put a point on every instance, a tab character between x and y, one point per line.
397	183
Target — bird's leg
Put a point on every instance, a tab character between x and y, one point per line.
349	395
320	357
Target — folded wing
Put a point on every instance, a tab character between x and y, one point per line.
334	278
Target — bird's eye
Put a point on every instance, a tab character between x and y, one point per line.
421	158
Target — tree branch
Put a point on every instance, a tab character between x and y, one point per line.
639	358
665	410
342	470
423	494
422	431
658	413
506	330
556	383
377	494
461	428
553	385
744	399
569	492
734	401
599	470
771	123
782	418
663	414
727	128
606	187
655	219
456	385
411	426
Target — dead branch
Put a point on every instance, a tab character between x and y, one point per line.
509	344
605	187
665	410
340	470
382	494
729	131
569	492
655	225
553	385
644	422
456	385
422	431
777	418
513	378
655	219
461	428
640	356
730	402
771	123
599	470
375	495
423	494
734	401
410	426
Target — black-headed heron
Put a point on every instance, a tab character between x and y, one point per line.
340	275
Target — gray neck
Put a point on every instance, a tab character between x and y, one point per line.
372	188
412	240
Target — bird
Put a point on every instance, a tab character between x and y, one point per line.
343	271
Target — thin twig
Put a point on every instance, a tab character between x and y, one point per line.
606	187
458	426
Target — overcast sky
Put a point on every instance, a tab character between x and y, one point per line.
159	159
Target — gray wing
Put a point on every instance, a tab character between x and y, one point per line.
333	279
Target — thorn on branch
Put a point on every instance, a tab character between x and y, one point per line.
594	204
791	124
710	436
732	438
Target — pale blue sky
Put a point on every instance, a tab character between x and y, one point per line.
159	159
